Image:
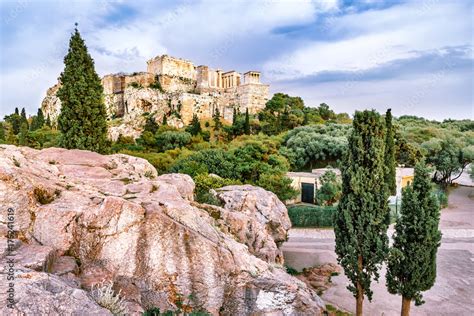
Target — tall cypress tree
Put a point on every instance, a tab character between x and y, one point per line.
217	120
40	118
48	122
411	266
194	127
247	122
2	132
82	121
24	120
390	163
37	121
151	125
22	136
361	219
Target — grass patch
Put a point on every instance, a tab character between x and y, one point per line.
43	196
332	310
126	180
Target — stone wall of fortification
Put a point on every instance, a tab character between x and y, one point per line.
166	65
253	97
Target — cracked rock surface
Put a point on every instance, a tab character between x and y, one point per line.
120	222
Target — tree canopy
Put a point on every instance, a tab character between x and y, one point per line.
82	120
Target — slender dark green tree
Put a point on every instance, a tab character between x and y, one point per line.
24	120
82	121
361	219
247	122
194	128
40	118
2	132
234	117
15	121
37	121
48	122
217	120
165	120
22	136
390	162
16	111
411	267
151	125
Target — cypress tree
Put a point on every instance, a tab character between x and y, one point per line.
48	122
234	117
165	120
361	219
247	123
16	111
390	164
151	125
37	121
40	118
22	136
2	132
217	120
82	121
15	121
24	120
194	127
411	266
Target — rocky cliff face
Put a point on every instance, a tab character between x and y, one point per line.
82	218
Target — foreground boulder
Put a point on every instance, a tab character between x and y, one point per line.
121	223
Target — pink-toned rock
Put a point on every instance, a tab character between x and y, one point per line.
39	293
145	234
64	265
257	218
182	182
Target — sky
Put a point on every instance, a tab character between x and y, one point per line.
413	56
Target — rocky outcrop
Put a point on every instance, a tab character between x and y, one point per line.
256	218
120	222
51	105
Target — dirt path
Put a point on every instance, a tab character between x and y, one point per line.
453	292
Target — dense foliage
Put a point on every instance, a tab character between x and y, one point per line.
311	216
362	215
316	145
390	163
330	189
412	262
82	121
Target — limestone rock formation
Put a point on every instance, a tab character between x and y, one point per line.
256	218
122	223
173	87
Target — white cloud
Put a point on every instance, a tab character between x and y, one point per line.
379	37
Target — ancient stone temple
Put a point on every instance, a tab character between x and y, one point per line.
175	88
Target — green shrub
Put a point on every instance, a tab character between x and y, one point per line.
442	198
135	85
156	84
204	183
311	216
291	270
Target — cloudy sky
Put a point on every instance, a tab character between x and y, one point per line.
413	56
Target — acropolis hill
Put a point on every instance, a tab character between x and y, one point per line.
173	87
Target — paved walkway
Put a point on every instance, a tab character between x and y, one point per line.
453	292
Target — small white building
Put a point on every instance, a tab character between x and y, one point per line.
308	182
